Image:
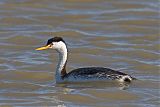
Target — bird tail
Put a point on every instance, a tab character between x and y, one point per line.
134	78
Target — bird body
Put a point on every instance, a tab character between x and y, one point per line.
95	74
87	74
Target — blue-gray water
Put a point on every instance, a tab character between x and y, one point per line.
120	34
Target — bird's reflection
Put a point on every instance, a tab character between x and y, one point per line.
71	87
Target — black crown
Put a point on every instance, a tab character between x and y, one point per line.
55	39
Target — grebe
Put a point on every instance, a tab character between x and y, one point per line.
81	74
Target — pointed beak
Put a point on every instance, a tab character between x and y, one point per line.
43	48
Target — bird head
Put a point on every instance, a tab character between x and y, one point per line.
56	43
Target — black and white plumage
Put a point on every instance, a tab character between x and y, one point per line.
81	74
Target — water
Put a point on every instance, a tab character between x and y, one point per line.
122	35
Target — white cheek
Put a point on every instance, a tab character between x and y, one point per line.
56	46
60	46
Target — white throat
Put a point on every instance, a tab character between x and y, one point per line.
62	50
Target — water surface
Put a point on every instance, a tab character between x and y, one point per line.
122	35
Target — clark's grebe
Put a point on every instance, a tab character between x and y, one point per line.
81	74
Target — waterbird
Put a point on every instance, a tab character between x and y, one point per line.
86	74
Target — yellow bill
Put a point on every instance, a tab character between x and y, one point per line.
43	48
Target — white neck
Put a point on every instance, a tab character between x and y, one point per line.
62	62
